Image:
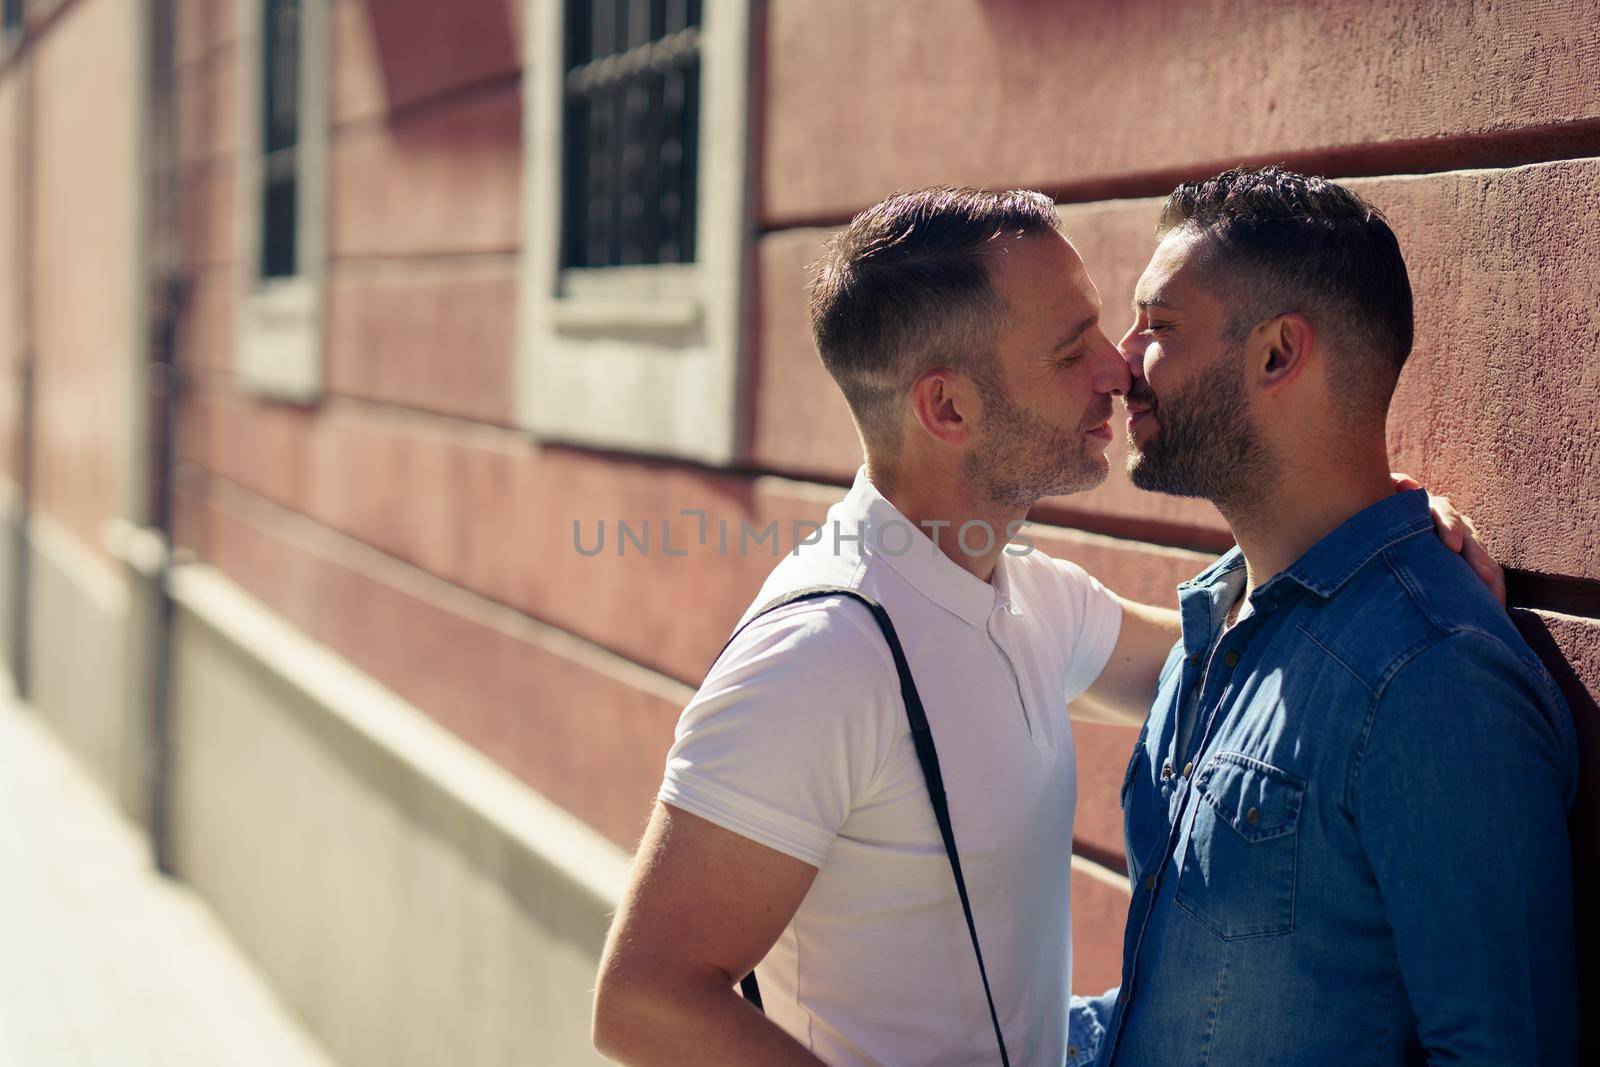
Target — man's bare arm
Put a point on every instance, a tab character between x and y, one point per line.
1126	688
703	907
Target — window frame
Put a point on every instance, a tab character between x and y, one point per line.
279	331
11	34
638	358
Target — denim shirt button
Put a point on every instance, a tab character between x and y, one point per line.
1253	816
1166	771
1188	768
1232	658
1150	882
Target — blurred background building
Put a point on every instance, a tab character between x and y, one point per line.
361	305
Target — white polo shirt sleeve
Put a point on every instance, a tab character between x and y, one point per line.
789	729
1092	618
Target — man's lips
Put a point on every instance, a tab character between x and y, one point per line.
1139	415
1101	431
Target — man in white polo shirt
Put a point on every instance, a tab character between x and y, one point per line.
794	829
794	832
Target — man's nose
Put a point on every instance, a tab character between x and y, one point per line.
1131	349
1114	377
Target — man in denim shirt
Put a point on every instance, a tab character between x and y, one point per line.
1346	814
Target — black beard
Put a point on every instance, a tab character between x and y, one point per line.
1205	445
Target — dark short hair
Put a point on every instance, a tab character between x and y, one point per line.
1287	242
905	288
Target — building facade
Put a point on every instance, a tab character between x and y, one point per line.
384	314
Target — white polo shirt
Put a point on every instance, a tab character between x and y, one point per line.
798	740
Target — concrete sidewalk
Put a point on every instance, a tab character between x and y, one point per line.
102	960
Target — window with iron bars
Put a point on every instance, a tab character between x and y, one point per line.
631	132
280	136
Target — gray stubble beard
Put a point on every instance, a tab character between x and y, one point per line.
1023	458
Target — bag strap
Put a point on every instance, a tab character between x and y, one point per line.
927	756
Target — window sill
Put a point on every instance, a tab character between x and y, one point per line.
632	318
662	303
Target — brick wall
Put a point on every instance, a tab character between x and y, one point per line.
398	514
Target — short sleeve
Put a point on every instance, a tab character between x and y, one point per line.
1089	622
789	728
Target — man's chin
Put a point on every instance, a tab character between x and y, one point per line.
1081	481
1143	474
1152	479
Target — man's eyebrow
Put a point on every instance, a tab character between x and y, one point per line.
1157	301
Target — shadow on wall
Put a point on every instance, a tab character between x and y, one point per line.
422	44
1585	824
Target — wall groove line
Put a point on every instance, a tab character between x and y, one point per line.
1504	150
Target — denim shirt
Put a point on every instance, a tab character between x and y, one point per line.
1361	856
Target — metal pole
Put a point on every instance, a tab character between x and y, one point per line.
21	550
169	294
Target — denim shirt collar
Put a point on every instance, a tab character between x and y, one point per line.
1332	560
1324	568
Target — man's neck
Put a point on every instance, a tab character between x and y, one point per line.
1278	526
942	506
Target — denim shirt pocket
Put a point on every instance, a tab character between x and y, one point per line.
1239	870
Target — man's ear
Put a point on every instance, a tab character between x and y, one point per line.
1283	349
944	403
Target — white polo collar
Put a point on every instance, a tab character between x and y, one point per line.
923	565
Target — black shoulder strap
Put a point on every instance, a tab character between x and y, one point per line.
927	756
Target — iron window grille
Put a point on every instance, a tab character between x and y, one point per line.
280	140
631	132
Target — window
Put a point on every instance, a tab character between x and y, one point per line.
282	167
636	223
